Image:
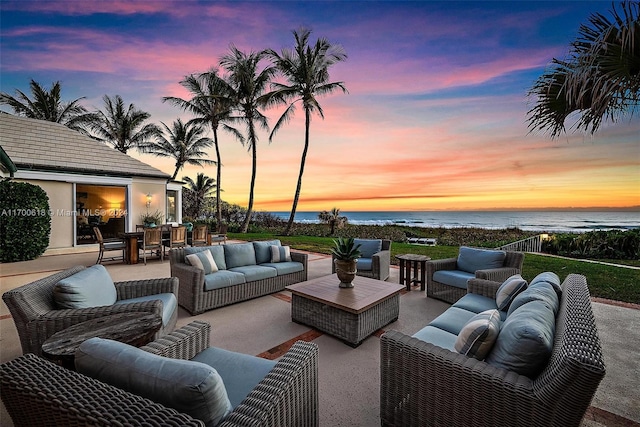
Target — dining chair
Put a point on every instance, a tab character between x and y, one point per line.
106	245
152	240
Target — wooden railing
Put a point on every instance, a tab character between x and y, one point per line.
532	244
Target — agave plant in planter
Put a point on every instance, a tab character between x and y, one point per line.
346	254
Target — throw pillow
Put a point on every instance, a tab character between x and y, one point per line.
202	260
509	289
187	386
91	287
280	253
477	336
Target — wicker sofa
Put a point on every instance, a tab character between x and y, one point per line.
37	392
37	316
423	384
235	280
447	278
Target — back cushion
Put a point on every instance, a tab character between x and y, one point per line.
471	259
240	254
368	247
550	278
263	250
190	387
217	252
525	341
540	291
91	287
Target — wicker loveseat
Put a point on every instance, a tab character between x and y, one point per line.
37	392
447	278
244	271
37	315
423	384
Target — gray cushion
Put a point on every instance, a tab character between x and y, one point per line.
203	260
364	264
263	250
255	272
509	289
217	251
540	291
438	337
452	320
187	386
478	303
455	278
222	279
91	287
239	255
551	278
525	341
169	304
241	373
479	334
368	247
472	259
279	253
285	267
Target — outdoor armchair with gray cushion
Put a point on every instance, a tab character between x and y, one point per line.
275	394
38	313
447	278
375	260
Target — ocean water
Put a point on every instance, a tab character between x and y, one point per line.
549	221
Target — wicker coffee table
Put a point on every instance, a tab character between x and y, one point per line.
350	314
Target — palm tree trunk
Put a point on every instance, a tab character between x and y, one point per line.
218	175
307	123
254	164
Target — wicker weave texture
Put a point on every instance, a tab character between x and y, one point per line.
193	297
425	385
349	327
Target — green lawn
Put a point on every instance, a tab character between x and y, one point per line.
616	283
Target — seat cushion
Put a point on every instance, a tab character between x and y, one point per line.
222	279
169	304
279	254
203	260
263	250
509	289
479	334
188	386
368	247
540	291
364	264
255	272
216	251
452	320
285	267
472	259
478	303
525	341
240	254
91	287
437	336
455	278
241	373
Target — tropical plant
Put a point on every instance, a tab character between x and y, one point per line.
345	249
196	193
211	104
599	80
333	218
249	86
122	127
306	69
183	142
48	105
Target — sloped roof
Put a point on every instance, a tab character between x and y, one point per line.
46	146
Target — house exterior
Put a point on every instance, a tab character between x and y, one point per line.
88	182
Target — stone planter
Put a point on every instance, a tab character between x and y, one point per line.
346	271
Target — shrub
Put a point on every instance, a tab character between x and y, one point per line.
612	244
25	221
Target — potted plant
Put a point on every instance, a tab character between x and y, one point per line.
346	255
152	219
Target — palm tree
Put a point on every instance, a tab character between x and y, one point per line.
211	104
249	86
197	192
333	218
184	142
600	79
123	128
306	69
47	105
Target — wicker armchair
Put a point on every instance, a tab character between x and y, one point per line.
512	265
36	317
380	263
37	392
425	385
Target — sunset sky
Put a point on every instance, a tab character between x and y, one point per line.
435	117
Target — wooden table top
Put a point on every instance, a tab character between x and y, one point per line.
413	257
129	328
365	293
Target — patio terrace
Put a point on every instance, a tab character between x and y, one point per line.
355	402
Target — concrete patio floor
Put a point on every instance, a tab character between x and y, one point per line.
240	327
